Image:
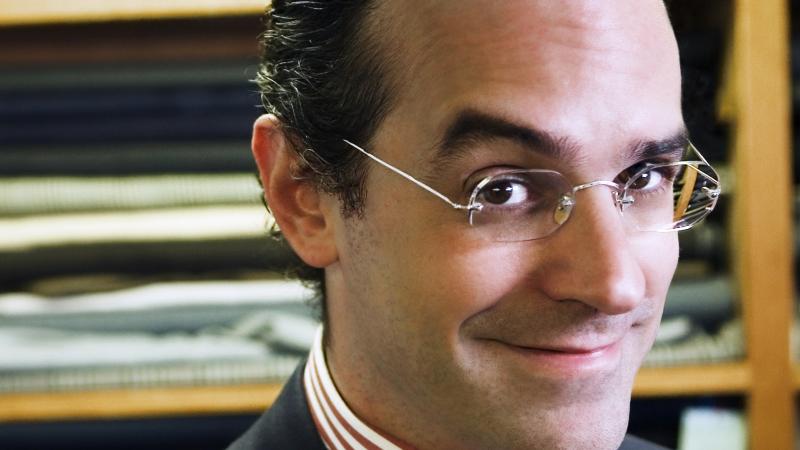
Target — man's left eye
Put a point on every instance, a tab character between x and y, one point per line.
643	176
646	180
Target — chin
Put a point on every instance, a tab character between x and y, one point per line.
567	436
593	442
556	421
588	429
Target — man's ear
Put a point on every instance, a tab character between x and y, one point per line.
296	204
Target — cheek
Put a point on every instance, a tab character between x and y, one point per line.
457	278
440	276
657	254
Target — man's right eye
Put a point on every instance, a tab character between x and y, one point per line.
504	192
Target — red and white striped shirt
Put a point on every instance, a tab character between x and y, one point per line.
337	425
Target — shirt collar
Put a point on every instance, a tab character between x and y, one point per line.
338	426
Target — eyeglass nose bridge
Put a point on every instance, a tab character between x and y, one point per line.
567	201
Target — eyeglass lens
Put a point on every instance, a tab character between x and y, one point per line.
531	204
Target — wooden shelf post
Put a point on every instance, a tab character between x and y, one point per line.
762	220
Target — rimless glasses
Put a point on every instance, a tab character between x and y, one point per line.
528	204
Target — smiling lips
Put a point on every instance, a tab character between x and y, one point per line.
566	350
569	361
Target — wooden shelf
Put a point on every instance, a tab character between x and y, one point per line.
41	12
133	403
140	403
732	378
129	43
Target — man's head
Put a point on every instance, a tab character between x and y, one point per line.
437	335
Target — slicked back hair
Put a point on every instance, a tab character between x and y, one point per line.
323	75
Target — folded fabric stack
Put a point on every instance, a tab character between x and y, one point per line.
133	238
183	333
680	342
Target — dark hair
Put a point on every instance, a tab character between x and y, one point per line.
324	76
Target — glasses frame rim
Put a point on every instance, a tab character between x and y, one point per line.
472	206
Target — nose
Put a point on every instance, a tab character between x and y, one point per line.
591	260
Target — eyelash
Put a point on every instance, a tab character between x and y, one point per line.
469	184
649	163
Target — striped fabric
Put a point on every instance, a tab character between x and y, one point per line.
337	425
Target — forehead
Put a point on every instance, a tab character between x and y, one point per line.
598	72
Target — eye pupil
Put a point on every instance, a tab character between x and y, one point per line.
641	181
499	193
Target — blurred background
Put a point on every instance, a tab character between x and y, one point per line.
142	304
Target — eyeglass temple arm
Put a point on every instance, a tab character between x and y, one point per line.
408	177
697	152
712	193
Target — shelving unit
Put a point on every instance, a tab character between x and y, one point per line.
83	11
762	233
696	380
759	96
137	403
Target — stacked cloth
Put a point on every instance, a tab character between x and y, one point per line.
164	334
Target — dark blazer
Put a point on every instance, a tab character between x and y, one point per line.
288	425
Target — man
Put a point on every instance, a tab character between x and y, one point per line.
484	187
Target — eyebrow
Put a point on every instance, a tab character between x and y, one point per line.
673	147
471	127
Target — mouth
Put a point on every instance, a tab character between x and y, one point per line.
566	350
565	360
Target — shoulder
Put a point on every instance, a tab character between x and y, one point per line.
634	443
287	424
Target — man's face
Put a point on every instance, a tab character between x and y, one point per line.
519	344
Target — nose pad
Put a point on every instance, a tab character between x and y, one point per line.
712	194
567	203
623	201
564	208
